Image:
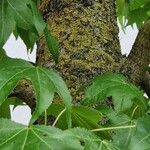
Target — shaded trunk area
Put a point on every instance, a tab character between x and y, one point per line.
137	64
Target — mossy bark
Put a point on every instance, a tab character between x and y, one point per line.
88	38
136	65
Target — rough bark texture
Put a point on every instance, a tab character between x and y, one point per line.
88	37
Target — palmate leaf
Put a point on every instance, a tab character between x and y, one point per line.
82	116
79	115
45	83
19	137
117	87
136	138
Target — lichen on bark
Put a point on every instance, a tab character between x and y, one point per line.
88	37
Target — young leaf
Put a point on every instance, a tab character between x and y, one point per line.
45	83
116	86
20	137
52	44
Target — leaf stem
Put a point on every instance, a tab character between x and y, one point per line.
45	118
114	128
134	111
58	117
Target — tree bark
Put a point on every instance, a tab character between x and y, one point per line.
88	38
137	63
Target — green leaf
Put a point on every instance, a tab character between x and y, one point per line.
118	119
24	19
91	141
5	107
28	37
62	90
82	116
52	44
139	16
79	115
117	87
21	18
37	18
5	110
83	111
136	138
45	83
3	54
136	4
21	12
132	11
7	23
20	137
15	33
122	10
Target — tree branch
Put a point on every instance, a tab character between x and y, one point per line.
138	60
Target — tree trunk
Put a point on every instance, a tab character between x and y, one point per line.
88	37
87	32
